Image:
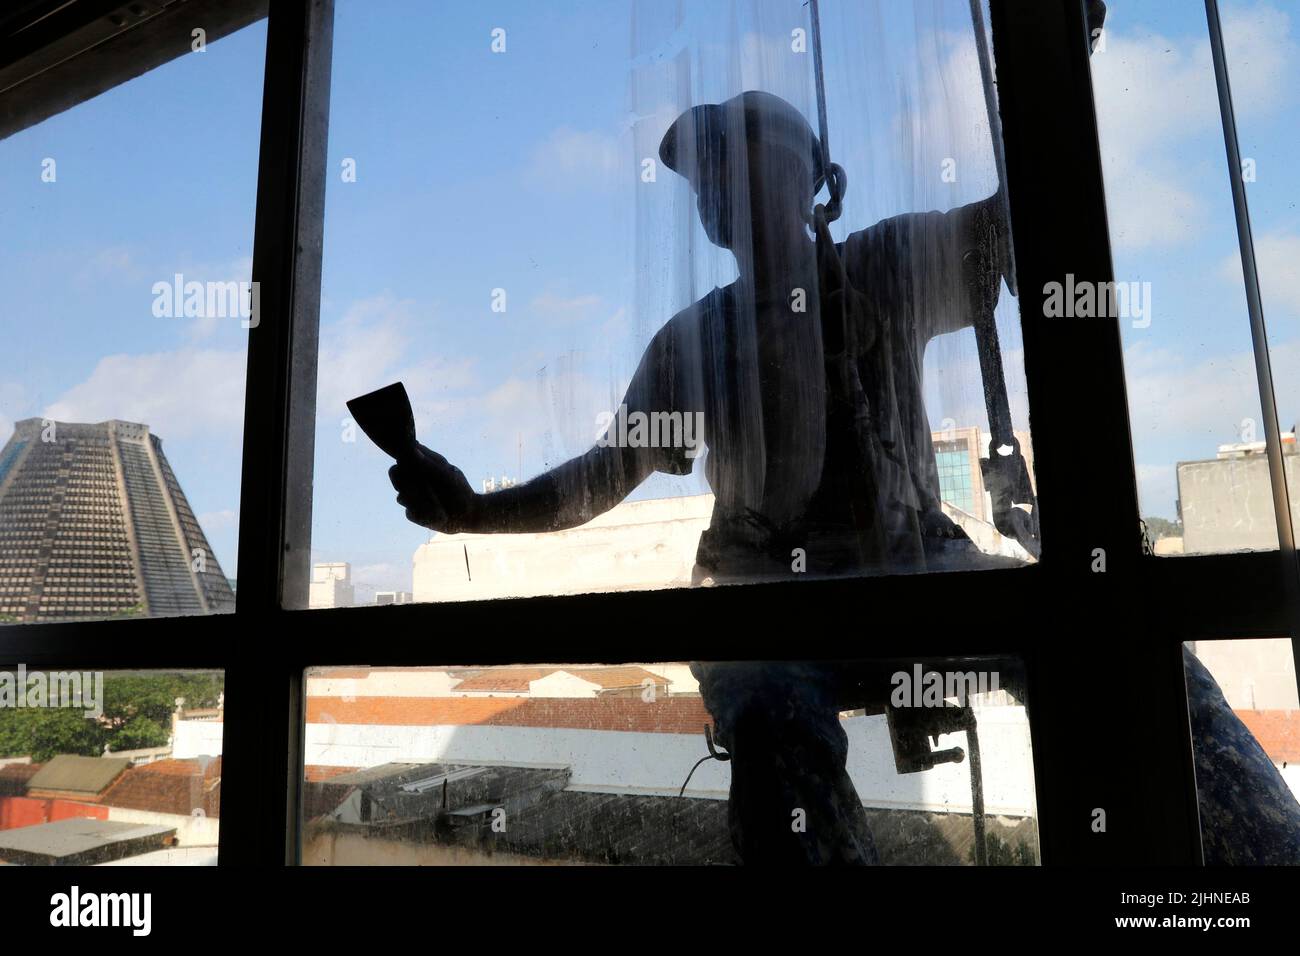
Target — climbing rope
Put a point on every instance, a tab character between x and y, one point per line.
837	181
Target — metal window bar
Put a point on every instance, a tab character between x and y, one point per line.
1258	331
1135	760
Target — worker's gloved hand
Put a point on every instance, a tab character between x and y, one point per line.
434	492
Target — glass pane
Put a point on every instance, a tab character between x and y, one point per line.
1246	740
126	264
1262	49
1192	391
595	273
110	767
817	762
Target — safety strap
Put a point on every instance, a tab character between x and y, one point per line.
1005	475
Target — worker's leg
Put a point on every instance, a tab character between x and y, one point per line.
792	801
1249	815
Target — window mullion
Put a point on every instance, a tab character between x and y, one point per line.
262	766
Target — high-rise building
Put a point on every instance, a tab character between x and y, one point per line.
93	524
957	454
957	461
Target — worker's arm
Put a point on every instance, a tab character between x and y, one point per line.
937	269
436	495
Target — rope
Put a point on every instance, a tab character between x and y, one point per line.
836	180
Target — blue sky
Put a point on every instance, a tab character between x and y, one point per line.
519	170
1191	379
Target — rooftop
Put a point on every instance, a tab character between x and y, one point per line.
84	777
80	842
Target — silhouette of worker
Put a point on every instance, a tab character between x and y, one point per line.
806	374
806	371
808	363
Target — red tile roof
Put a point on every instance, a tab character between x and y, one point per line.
517	679
339	673
314	773
612	677
14	777
1278	732
169	786
666	715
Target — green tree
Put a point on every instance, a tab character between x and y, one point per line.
1163	528
137	714
43	733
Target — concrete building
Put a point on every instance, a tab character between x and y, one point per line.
1254	675
645	545
331	586
93	524
1226	502
639	545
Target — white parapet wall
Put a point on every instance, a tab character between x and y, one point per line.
196	738
653	763
638	545
191	830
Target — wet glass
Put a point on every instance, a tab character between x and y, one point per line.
1198	434
900	763
595	270
110	768
1245	721
1262	44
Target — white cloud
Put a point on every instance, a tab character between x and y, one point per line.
179	394
949	119
578	159
566	309
1201	405
370	347
1277	260
557	410
239	269
212	521
13	406
111	262
1154	94
1207	401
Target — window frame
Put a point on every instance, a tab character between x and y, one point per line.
1126	626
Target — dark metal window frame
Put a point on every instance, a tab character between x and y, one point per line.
1084	636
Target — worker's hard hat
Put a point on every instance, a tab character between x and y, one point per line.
754	116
